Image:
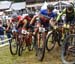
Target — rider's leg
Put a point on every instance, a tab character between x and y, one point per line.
59	38
66	48
38	36
8	35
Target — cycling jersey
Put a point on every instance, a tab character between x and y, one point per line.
18	18
45	12
28	18
69	16
45	21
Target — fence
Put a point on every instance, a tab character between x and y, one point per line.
6	40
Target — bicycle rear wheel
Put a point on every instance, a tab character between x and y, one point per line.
20	50
22	45
31	41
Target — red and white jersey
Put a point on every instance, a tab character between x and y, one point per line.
27	17
18	18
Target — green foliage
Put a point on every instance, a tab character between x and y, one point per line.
17	0
13	0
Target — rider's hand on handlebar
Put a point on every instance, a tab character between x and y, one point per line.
53	22
35	16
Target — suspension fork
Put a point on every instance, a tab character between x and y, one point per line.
38	38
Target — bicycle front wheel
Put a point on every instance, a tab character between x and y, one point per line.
13	46
40	50
50	42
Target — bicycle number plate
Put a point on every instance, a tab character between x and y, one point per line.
41	29
24	31
14	30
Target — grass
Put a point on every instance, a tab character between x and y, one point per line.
29	57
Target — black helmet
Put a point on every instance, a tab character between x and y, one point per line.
31	14
69	7
50	7
14	15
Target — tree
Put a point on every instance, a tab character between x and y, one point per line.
18	0
13	0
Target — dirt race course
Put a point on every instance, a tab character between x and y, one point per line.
53	57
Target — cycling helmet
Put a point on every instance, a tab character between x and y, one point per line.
31	14
50	7
14	15
69	7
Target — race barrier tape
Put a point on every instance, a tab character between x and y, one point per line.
2	45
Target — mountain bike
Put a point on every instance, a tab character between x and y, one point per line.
54	35
14	41
68	47
40	43
25	40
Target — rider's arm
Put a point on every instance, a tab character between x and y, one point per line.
19	20
33	19
8	25
59	16
18	23
25	23
52	22
42	12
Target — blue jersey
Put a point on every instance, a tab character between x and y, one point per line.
45	12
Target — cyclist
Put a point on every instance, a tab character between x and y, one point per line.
70	14
27	18
1	31
46	17
15	22
21	21
70	18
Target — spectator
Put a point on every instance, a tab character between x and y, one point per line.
1	31
7	28
4	19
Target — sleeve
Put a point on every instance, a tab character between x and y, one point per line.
55	15
43	12
19	18
59	16
28	18
12	20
